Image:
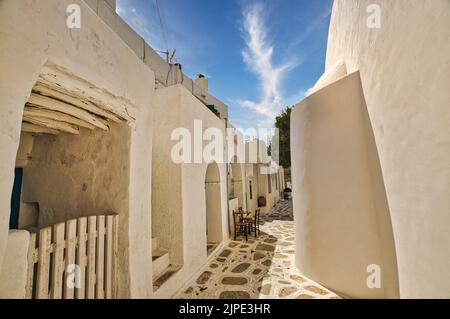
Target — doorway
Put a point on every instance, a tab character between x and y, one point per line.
16	198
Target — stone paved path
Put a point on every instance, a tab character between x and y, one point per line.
260	268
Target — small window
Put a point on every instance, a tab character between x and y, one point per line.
269	182
251	190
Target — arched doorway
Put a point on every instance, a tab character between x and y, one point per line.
213	207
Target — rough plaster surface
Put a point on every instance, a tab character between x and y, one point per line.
405	72
34	32
13	277
73	176
342	221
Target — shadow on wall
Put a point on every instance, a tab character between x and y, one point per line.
342	221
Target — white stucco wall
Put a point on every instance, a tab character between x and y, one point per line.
273	196
257	161
341	217
94	4
166	177
179	189
13	277
34	32
213	198
405	72
281	178
233	206
238	181
251	175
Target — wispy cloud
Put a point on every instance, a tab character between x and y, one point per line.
258	57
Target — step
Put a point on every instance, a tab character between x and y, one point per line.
210	247
164	276
160	260
155	243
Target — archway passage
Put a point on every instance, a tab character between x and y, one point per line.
213	207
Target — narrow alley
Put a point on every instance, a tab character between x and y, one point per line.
261	268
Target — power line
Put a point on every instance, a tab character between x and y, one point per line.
163	31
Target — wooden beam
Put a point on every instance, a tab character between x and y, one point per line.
52	124
56	105
36	129
56	76
81	103
57	116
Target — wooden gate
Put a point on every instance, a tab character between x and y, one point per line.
74	260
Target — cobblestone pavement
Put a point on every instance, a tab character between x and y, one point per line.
259	268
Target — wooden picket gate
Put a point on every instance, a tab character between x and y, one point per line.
81	251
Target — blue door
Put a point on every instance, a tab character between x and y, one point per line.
15	199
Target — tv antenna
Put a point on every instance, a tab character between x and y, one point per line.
169	57
172	57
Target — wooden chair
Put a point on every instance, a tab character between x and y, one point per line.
254	222
241	226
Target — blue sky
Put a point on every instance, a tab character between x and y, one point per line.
259	56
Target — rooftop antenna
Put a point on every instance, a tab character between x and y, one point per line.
166	53
169	57
172	56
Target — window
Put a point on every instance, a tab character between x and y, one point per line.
269	183
251	190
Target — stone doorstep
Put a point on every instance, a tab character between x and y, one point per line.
165	276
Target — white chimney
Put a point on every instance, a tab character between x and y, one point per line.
202	83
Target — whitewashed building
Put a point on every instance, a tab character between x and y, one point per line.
371	153
87	182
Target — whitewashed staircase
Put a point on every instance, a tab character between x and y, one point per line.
162	268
